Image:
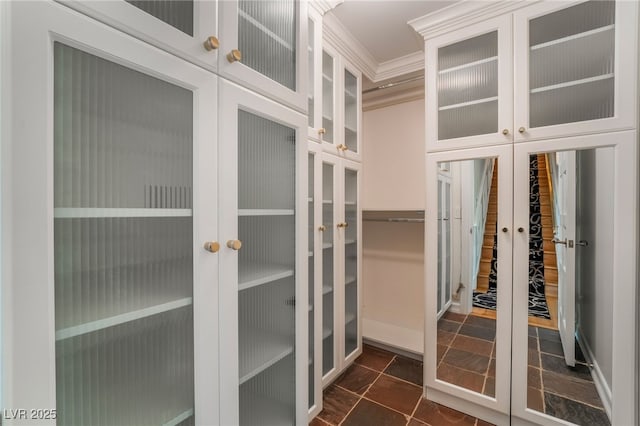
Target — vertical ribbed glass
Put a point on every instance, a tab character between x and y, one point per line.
177	13
267	38
266	270
351	111
440	245
311	284
312	70
123	244
571	59
447	237
327	269
327	96
468	87
351	261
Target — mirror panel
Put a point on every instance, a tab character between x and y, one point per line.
571	194
467	273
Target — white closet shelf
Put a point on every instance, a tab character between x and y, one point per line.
326	246
349	279
574	37
326	289
272	412
96	212
179	418
350	241
327	201
326	332
310	254
260	350
266	31
350	203
266	212
310	199
327	78
310	308
254	274
466	104
350	129
573	83
100	324
468	65
349	317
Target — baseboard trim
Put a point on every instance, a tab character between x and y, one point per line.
402	338
602	387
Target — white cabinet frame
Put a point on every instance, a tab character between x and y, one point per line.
317	74
27	210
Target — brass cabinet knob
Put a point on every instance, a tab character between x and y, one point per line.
341	147
345	148
212	246
343	225
521	229
234	56
322	228
505	229
522	129
234	244
505	132
211	43
322	131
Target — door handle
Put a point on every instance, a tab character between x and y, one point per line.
556	241
583	243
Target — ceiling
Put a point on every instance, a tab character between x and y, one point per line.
381	25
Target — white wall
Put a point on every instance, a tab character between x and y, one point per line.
394	157
594	223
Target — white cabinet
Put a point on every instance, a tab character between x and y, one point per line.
551	69
263	208
338	260
156	272
117	293
315	84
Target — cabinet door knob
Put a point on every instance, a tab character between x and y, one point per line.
212	246
505	132
211	43
343	225
234	56
234	244
322	131
505	229
322	228
522	130
521	229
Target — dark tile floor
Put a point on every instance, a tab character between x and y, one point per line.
384	389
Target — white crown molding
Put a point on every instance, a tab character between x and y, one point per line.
348	46
409	95
463	13
323	6
400	66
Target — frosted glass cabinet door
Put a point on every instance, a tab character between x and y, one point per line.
126	328
315	81
470	71
263	45
265	260
578	67
329	113
352	111
187	28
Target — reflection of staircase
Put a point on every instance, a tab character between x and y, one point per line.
550	263
489	234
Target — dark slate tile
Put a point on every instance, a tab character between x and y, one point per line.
370	413
467	360
534	358
557	364
483	423
336	403
534	399
570	387
471	344
452	316
317	421
579	355
534	379
533	331
492	368
450	326
546	334
406	369
574	412
357	379
489	387
551	347
416	422
374	358
445	338
533	343
459	377
436	414
441	351
478	332
395	393
480	322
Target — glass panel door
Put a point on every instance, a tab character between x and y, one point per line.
177	13
350	226
312	71
328	116
123	244
571	64
351	107
312	307
266	270
328	284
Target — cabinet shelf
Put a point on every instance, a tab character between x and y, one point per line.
179	418
468	65
574	37
572	83
310	199
465	104
350	203
260	350
254	274
98	212
310	254
350	241
327	78
266	31
89	327
326	289
266	212
326	332
349	279
349	317
326	246
327	201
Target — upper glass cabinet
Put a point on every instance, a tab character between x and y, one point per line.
186	28
315	83
572	75
352	108
470	73
264	46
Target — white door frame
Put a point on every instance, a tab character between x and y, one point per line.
624	273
